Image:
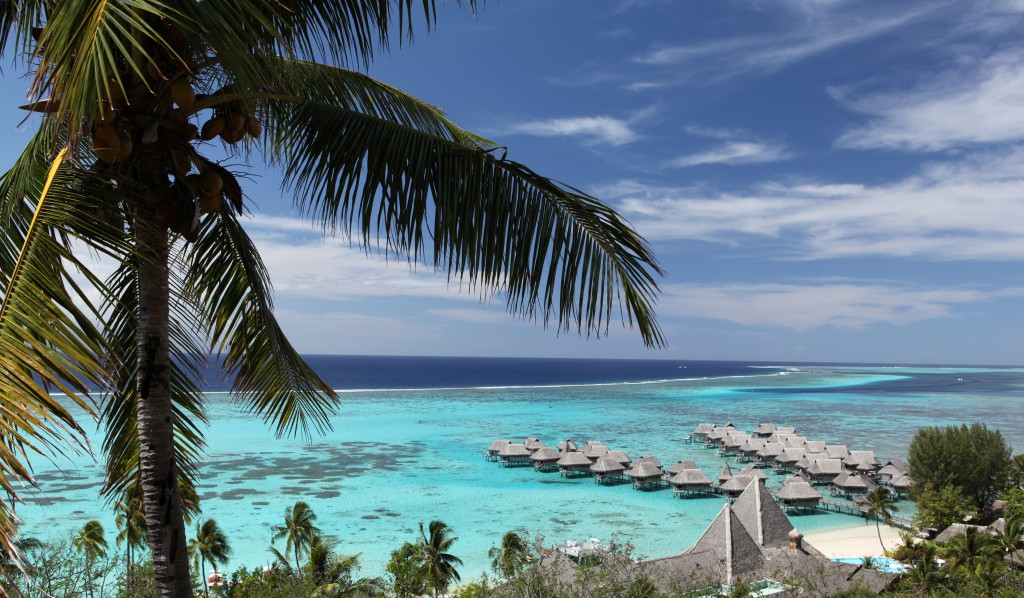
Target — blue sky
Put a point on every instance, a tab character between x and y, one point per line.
822	180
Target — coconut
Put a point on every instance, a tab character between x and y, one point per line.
107	115
182	94
212	128
254	128
210	182
235	122
210	202
106	143
127	145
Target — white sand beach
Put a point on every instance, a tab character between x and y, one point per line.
853	541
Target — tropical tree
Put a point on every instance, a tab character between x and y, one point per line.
880	506
438	565
131	527
298	531
405	570
139	100
966	550
1011	539
90	540
334	575
210	544
514	553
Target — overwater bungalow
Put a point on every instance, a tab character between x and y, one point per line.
732	442
901	485
892	470
753	471
788	459
573	464
545	459
619	456
735	485
785	430
861	460
596	452
771	450
593	446
849	484
837	451
649	459
815	447
567	446
797	494
645	475
512	455
823	471
716	436
726	474
608	471
494	448
681	465
764	430
690	482
532	444
749	449
792	441
701	432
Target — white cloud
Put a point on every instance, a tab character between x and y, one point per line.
595	129
732	153
841	305
965	210
770	53
978	102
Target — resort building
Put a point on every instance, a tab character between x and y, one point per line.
690	482
620	457
861	461
545	459
494	448
825	470
567	446
532	444
680	466
726	474
735	485
797	494
514	454
892	470
573	464
764	430
849	484
753	471
837	451
645	475
607	470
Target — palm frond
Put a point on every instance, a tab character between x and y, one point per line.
228	280
388	168
119	412
47	339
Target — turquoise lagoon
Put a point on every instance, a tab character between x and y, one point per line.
396	458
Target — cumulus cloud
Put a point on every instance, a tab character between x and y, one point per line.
594	129
803	307
978	102
963	210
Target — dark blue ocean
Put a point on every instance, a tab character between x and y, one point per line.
406	446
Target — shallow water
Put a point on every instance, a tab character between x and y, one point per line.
397	458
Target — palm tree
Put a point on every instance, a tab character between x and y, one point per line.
131	526
438	565
333	574
880	505
90	540
966	550
513	554
119	166
210	544
298	530
1011	539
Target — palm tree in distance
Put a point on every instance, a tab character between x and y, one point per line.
880	506
137	102
514	553
438	564
131	526
333	574
91	540
210	544
298	531
1011	539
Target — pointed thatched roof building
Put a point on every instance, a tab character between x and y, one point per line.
496	446
837	451
532	444
796	493
754	472
544	456
735	485
849	483
619	456
567	446
645	474
764	430
574	463
607	465
726	474
649	459
681	465
689	482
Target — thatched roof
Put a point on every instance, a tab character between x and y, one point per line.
837	451
533	444
771	450
725	475
850	482
797	490
785	429
857	458
681	465
731	544
545	454
825	467
607	465
894	469
764	429
794	441
753	445
567	445
690	477
737	483
593	445
729	425
650	459
815	446
762	517
702	429
514	450
619	456
643	470
735	439
754	471
902	483
957	529
497	445
573	459
719	433
597	452
791	455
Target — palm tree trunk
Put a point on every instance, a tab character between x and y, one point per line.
202	567
161	501
879	530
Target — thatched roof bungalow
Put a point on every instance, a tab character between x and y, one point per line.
689	482
901	485
848	484
702	430
735	485
494	448
748	450
545	459
514	454
764	430
645	475
681	465
861	460
893	469
789	457
573	464
796	493
649	459
607	470
794	442
619	456
753	471
837	451
726	474
589	449
815	447
770	451
825	470
567	446
532	444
